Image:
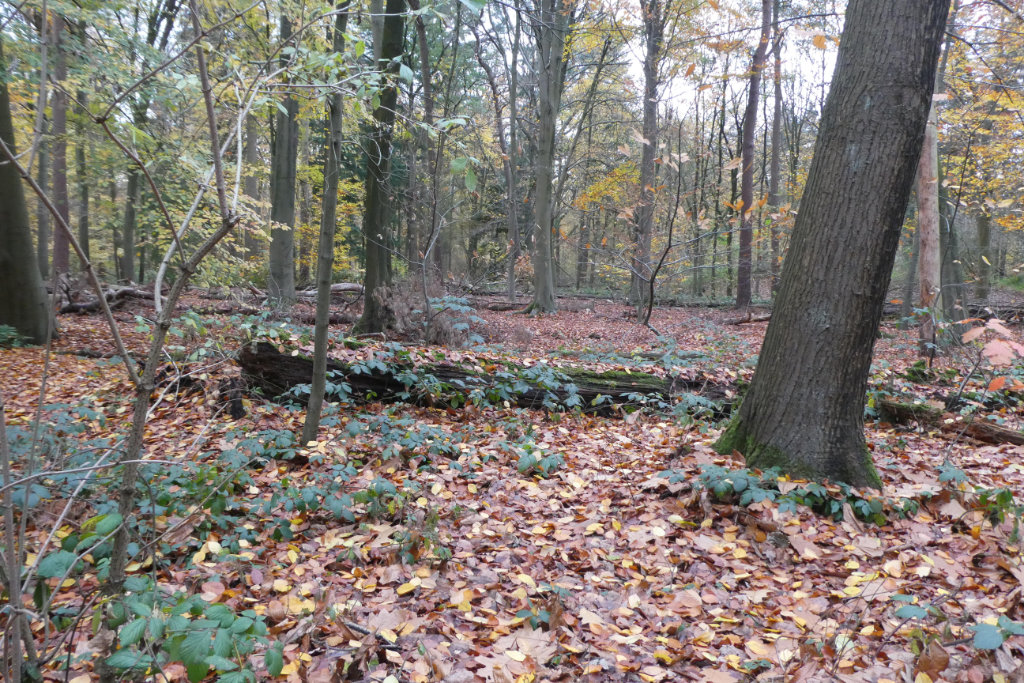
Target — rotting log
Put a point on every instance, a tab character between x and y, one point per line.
950	423
115	297
276	374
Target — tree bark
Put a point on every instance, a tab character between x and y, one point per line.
325	248
281	286
43	245
23	304
61	248
377	314
744	265
251	185
929	264
804	410
775	163
550	25
82	174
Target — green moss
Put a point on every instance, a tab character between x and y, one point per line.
763	456
616	379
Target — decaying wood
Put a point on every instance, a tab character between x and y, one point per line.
115	297
750	319
275	373
936	418
336	288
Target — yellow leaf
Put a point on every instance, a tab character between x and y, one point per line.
819	41
388	635
282	586
664	656
407	587
528	580
515	655
922	677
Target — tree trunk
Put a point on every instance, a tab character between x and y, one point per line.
654	17
23	304
61	248
743	269
775	164
550	26
325	248
251	185
281	286
377	314
82	174
804	410
984	283
929	264
43	245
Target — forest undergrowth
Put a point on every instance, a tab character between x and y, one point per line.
478	541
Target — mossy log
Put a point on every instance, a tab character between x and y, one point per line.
276	374
935	418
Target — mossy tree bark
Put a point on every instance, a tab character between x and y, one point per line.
804	409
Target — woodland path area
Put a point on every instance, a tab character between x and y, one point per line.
488	543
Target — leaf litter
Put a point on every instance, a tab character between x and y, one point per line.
602	570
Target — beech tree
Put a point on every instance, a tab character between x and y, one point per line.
804	410
19	273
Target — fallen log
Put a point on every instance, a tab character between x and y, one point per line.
115	297
750	319
336	288
276	374
950	423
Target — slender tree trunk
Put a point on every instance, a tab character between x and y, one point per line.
251	185
82	174
61	249
984	282
281	286
550	25
775	165
654	17
325	248
43	245
804	410
929	264
23	305
377	314
743	271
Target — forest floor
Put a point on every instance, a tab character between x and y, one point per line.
489	543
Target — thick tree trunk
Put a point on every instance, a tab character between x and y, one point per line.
745	261
281	285
276	374
804	411
325	249
377	314
23	304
